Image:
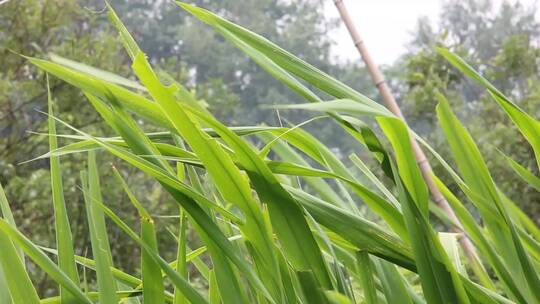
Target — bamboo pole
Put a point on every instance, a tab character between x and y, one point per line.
392	105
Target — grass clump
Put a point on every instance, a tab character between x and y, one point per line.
281	224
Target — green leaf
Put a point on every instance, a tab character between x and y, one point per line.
7	215
182	195
134	102
440	281
484	193
281	64
193	296
119	275
5	210
213	293
64	239
181	259
449	242
152	112
153	289
379	205
227	177
285	152
378	183
366	276
98	233
525	174
347	106
286	216
407	167
313	293
264	49
125	37
124	296
5	297
27	293
396	289
527	125
362	234
141	144
14	275
101	74
477	235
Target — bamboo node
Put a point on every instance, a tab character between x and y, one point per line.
439	200
358	43
421	161
379	83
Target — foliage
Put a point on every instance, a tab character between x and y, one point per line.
37	28
265	237
179	48
502	45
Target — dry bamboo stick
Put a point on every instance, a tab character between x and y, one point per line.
392	105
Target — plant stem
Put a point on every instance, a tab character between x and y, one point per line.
391	104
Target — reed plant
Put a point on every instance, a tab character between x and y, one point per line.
283	221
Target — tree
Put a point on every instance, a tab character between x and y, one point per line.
501	44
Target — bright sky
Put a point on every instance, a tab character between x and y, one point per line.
385	25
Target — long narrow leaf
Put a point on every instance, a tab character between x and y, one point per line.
17	282
153	289
439	279
64	239
476	174
27	293
527	125
98	233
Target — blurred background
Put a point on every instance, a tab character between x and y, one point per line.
500	38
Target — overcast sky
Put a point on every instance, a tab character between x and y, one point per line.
385	25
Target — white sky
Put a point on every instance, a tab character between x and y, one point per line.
385	25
